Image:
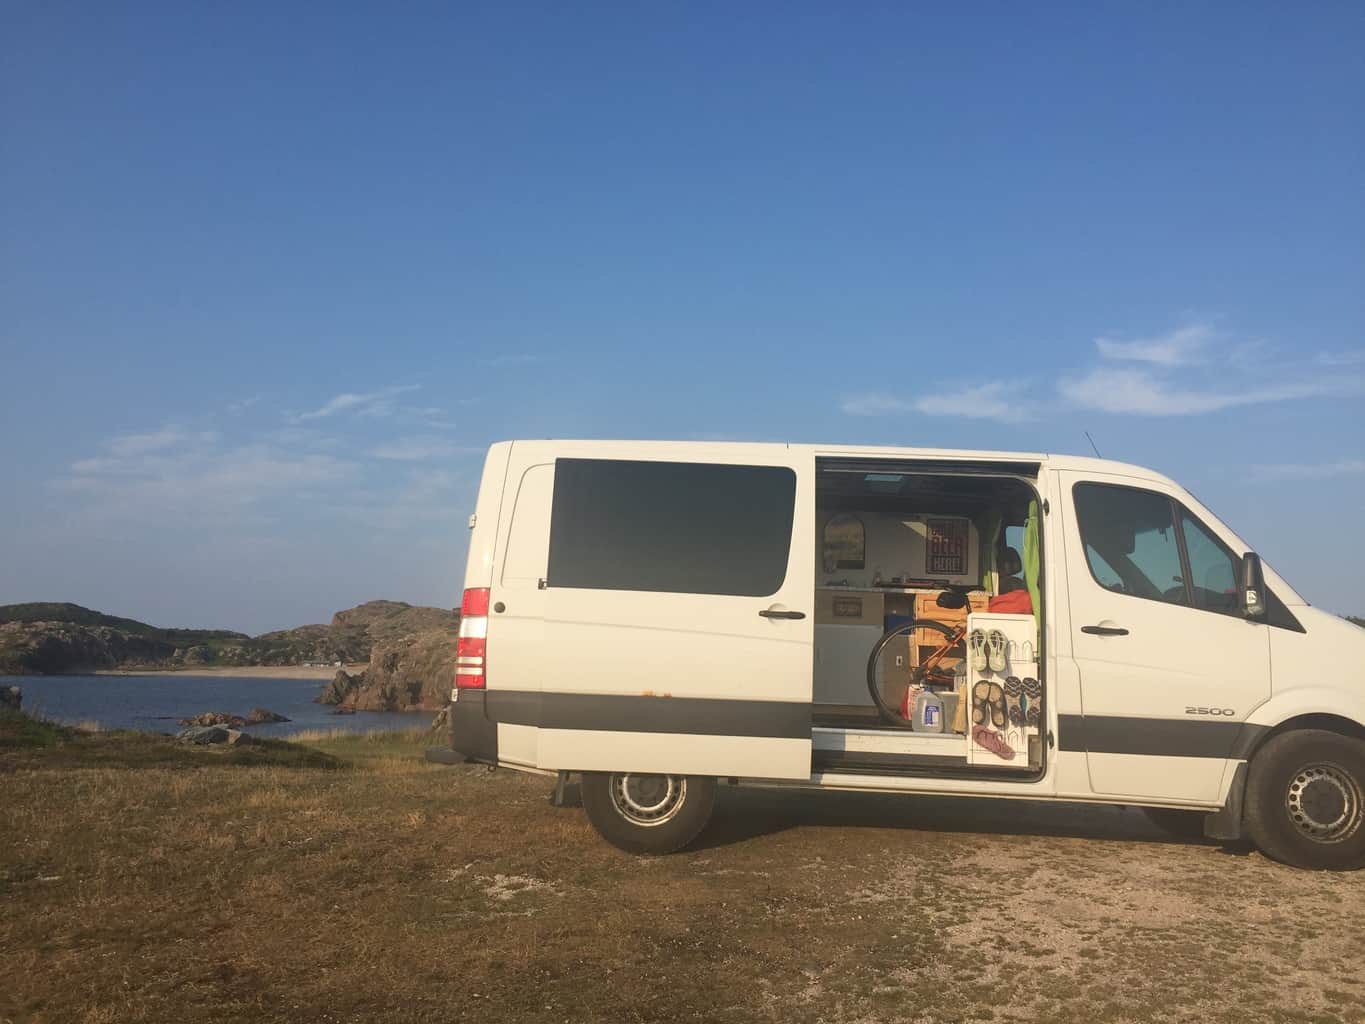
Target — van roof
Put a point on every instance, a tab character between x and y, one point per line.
1077	463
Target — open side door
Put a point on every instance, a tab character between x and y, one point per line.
678	620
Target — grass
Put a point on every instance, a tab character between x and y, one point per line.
394	890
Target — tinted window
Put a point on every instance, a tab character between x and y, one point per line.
1213	569
1129	535
691	528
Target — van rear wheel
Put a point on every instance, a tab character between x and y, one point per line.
1305	800
644	813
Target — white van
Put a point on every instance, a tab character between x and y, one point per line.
659	616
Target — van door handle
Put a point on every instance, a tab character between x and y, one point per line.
1105	630
771	613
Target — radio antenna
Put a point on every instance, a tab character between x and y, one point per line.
1092	445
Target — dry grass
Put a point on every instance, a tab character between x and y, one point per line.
400	891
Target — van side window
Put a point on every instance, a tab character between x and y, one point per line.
1213	568
1130	541
677	527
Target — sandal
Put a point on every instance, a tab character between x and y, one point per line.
1032	687
994	742
988	704
996	644
976	644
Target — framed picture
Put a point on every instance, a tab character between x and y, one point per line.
945	547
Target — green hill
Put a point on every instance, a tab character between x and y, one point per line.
51	638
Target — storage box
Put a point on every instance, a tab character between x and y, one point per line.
837	607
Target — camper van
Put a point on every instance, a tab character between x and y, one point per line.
657	618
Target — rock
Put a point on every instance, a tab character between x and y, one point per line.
215	718
340	687
343	711
11	697
237	738
260	716
201	735
414	673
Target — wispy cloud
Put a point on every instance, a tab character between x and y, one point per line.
420	449
241	405
1354	357
370	403
1181	347
1175	375
157	440
1143	393
995	400
1308	470
197	485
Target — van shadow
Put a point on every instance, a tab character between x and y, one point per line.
746	813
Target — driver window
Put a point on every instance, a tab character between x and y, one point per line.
1213	568
1130	541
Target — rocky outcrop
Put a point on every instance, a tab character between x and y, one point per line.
51	639
260	716
412	673
50	648
211	718
203	735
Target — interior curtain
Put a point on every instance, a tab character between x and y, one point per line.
1032	566
989	532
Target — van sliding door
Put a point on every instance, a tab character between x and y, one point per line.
678	621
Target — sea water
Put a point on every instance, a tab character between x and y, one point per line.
154	703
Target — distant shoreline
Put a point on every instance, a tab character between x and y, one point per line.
240	671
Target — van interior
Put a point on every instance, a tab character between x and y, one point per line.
959	546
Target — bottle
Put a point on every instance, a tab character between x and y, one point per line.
928	713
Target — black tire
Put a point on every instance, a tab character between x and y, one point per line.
1305	800
620	805
890	715
1176	822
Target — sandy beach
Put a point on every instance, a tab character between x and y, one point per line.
244	671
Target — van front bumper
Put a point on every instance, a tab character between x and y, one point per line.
473	736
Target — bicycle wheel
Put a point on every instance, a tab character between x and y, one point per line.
889	669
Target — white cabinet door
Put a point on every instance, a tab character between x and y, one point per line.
1168	668
679	612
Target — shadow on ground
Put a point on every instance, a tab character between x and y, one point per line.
745	813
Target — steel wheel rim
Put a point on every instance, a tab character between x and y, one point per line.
648	799
1324	803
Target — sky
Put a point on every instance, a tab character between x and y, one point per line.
273	276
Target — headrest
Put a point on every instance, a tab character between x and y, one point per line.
1009	563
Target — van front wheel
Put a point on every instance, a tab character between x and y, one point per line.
644	813
1305	801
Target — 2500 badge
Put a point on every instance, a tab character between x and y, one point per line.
1224	712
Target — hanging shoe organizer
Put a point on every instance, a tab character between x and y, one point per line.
1011	664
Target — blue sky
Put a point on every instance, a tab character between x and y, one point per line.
271	278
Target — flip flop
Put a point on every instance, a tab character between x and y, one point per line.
976	644
996	645
1032	687
994	742
988	704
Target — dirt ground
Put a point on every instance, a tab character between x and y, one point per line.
392	890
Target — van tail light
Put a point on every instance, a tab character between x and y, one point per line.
471	649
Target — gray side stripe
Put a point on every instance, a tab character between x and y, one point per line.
620	713
1158	737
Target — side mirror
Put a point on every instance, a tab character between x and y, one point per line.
1252	588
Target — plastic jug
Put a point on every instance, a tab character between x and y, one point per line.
928	713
